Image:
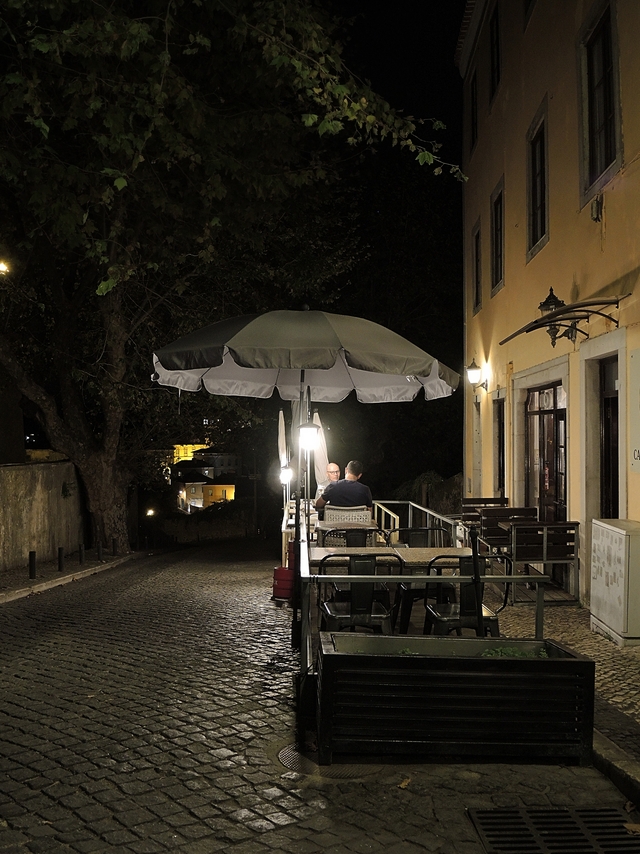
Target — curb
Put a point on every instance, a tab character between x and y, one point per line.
39	587
615	764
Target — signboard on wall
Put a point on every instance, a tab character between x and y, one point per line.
634	410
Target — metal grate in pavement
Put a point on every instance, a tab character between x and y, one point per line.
555	831
306	763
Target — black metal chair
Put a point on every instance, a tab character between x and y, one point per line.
354	538
443	618
406	592
361	609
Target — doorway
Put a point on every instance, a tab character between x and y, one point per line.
546	452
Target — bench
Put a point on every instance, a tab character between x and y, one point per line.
471	508
491	534
546	543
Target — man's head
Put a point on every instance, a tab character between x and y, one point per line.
333	472
354	468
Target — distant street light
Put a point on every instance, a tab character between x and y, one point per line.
3	268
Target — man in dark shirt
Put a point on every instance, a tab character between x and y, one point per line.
348	492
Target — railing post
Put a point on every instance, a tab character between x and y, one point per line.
61	559
99	550
539	611
80	553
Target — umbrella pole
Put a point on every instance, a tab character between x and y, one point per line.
477	580
296	628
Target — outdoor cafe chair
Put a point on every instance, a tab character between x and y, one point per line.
334	513
443	618
362	609
406	592
357	538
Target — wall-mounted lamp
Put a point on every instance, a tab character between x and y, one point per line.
556	315
309	436
473	375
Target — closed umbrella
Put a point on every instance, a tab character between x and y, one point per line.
320	455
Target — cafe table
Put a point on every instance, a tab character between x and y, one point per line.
342	554
324	526
415	560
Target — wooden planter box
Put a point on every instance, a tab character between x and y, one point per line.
441	697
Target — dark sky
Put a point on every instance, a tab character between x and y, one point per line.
406	49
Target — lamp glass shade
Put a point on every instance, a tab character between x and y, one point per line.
309	436
551	303
286	474
474	373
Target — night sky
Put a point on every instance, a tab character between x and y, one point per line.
406	49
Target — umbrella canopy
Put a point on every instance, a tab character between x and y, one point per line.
252	355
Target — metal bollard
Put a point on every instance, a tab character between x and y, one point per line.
60	559
81	553
99	549
32	564
114	545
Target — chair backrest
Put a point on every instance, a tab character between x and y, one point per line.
421	538
362	593
333	513
490	518
350	537
541	542
467	593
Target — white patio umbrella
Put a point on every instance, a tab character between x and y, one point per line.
325	355
330	354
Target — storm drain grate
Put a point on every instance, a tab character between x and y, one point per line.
306	763
555	831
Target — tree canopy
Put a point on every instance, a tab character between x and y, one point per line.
156	161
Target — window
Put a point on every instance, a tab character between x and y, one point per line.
537	184
473	119
497	239
494	48
600	85
601	117
477	269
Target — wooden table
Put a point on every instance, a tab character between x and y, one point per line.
316	554
416	560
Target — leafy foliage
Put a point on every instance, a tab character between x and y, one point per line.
155	164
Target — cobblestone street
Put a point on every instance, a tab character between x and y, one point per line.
144	709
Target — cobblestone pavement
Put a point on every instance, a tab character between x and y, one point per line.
144	709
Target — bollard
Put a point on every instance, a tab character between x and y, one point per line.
114	546
60	559
81	553
99	549
32	564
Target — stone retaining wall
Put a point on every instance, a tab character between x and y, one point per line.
40	510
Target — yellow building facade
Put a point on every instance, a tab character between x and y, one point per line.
552	155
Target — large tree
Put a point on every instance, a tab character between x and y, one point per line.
151	153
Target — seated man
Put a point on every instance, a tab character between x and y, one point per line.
333	476
348	492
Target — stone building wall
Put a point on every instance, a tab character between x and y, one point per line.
40	510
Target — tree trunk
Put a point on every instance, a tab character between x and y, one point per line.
106	490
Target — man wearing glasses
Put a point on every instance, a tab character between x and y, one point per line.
348	492
333	476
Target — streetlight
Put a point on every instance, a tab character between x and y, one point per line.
4	268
